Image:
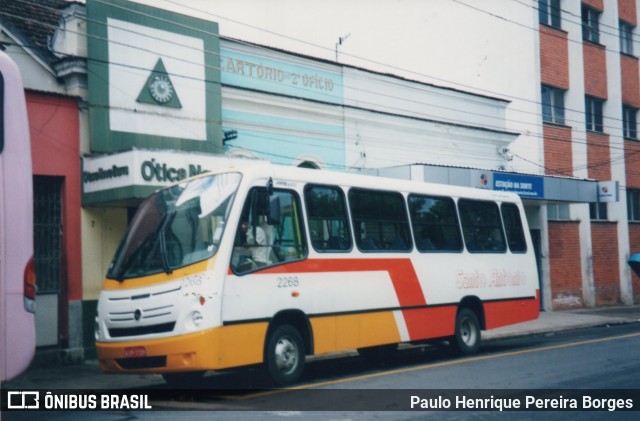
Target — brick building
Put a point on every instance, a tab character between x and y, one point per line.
590	100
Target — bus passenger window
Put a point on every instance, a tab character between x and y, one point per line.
270	231
481	226
380	221
328	221
435	223
513	226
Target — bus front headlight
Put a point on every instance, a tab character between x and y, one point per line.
196	318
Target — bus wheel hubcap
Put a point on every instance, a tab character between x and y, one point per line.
286	355
467	332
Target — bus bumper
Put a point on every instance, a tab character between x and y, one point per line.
212	349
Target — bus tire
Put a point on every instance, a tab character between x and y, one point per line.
467	336
285	355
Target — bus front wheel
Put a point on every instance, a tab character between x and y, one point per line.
285	356
467	336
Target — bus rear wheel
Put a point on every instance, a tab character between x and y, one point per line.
285	355
467	336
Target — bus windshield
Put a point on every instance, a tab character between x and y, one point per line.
176	227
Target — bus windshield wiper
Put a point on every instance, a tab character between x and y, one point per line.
162	239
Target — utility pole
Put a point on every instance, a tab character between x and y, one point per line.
339	43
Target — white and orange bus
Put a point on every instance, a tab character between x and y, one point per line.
17	275
269	264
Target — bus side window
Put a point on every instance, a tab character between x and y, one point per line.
435	223
380	221
263	239
327	218
513	226
481	226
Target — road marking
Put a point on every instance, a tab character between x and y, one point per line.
433	365
228	399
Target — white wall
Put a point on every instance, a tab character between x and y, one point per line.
489	46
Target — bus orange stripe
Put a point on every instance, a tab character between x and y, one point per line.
403	276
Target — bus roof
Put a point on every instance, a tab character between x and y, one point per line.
281	173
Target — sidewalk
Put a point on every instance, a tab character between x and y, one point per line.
557	321
88	375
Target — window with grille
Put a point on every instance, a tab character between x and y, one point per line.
47	230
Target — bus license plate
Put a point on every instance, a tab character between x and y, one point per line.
135	352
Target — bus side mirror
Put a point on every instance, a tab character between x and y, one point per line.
273	209
270	187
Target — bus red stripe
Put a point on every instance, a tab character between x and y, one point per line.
403	276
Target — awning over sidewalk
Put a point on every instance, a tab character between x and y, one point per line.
528	186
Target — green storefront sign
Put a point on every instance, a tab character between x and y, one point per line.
154	79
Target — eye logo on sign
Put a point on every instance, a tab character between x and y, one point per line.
159	90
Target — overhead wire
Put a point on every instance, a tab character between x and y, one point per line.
419	102
401	110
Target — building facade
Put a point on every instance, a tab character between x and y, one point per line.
54	103
125	98
590	99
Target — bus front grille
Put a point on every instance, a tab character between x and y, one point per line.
142	362
119	332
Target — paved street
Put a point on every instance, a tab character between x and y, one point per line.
88	376
587	368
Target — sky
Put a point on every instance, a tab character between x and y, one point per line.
489	47
438	41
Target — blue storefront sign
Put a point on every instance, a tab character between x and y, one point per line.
526	186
